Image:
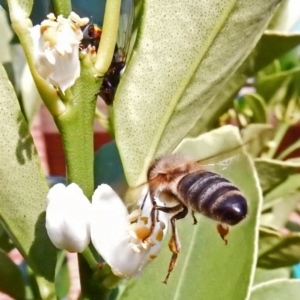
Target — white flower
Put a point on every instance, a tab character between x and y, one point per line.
123	243
68	217
56	49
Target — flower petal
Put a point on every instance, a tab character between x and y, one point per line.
56	49
109	221
120	243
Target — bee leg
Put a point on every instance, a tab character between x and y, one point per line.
171	267
174	243
223	231
156	208
194	218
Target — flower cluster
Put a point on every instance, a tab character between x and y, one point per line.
56	49
124	240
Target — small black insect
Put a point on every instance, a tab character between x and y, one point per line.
113	75
91	36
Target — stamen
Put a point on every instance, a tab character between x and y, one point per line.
134	215
144	219
135	248
51	16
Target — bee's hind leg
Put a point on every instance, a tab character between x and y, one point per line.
174	243
223	230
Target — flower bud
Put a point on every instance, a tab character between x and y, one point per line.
68	217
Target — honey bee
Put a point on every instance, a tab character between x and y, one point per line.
182	185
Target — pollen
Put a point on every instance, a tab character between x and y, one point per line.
159	235
141	232
145	220
162	225
152	256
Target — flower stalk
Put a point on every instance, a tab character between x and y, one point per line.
62	7
109	36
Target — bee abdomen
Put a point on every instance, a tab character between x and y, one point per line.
213	196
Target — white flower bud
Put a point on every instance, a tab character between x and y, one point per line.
68	217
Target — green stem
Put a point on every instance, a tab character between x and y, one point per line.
89	257
108	37
282	128
62	7
76	129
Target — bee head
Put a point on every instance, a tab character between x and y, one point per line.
169	168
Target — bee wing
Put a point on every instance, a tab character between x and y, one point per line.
222	161
124	31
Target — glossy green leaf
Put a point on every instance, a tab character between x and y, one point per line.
256	136
273	172
286	189
277	250
11	282
205	262
5	242
263	275
185	52
62	276
280	289
274	87
257	106
23	187
282	210
108	168
272	45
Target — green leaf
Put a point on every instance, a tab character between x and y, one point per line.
263	275
272	45
286	189
277	250
23	187
108	168
282	210
273	172
11	282
274	87
277	289
185	52
256	136
62	276
205	262
5	242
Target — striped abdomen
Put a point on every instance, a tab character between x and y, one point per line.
213	196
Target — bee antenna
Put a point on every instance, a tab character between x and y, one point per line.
144	200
